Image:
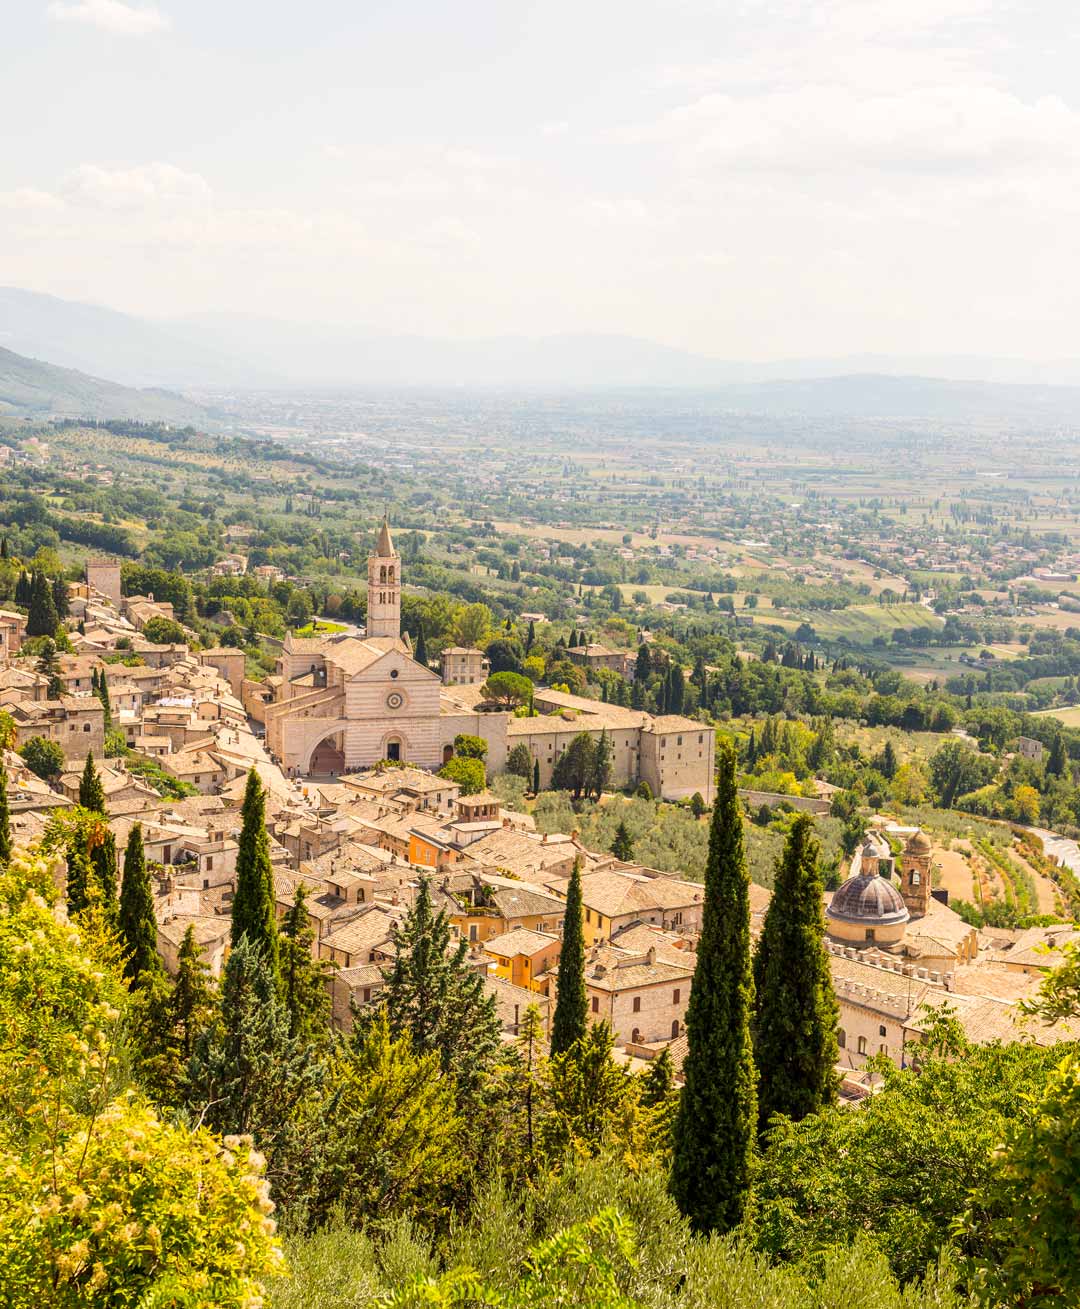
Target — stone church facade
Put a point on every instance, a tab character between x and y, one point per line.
341	703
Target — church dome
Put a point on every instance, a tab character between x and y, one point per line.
869	901
919	843
876	847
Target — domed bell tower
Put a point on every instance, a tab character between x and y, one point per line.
384	587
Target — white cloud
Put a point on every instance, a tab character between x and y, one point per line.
110	16
27	198
134	188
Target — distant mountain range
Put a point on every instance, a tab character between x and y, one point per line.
84	343
33	389
212	350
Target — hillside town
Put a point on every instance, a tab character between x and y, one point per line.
346	741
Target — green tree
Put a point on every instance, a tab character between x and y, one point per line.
575	767
43	757
303	977
714	1130
247	1073
536	777
508	689
588	1096
253	912
91	791
470	747
601	765
622	847
469	774
420	653
394	1143
42	619
520	761
60	598
164	631
570	1020
137	920
956	768
106	873
435	997
472	626
49	666
5	818
1057	765
796	1011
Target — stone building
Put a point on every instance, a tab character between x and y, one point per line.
342	703
463	666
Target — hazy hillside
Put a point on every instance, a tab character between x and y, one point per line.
222	350
31	388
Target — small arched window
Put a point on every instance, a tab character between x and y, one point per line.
841	1038
675	1029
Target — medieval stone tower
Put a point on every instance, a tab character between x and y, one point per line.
384	587
915	879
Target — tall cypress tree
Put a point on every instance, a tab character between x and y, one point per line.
714	1130
42	619
796	1011
5	816
303	977
421	646
622	847
60	598
103	860
136	919
91	791
570	1020
191	1002
253	913
536	777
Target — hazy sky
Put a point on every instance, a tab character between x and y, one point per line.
746	178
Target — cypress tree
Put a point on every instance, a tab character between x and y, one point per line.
1058	762
106	703
570	1020
191	1001
60	598
622	847
253	913
4	548
91	791
421	646
796	1011
714	1131
303	983
42	619
530	639
536	777
5	816
601	767
136	920
103	861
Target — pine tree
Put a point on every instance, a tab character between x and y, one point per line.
536	777
5	817
714	1130
421	655
888	761
253	913
570	1020
796	1011
42	619
434	996
136	919
91	791
622	847
303	977
530	639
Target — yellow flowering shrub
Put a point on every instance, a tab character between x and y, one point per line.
102	1202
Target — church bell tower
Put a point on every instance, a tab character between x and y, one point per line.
384	587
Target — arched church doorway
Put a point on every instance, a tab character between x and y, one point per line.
395	751
328	757
447	753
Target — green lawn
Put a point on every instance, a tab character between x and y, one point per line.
859	624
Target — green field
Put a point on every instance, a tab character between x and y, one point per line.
1067	714
858	624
